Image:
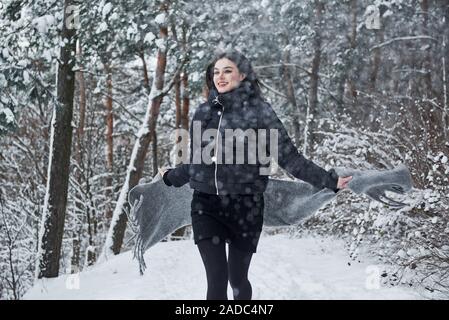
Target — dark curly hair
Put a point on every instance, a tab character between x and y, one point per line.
244	66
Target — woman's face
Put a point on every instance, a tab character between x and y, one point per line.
226	75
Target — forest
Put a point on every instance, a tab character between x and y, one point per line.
92	94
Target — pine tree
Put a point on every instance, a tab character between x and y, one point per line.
52	225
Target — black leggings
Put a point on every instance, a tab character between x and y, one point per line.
219	270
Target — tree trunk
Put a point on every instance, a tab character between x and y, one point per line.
52	226
426	83
181	231
177	117
181	95
76	243
82	103
109	142
182	112
348	78
91	231
154	153
178	101
376	58
92	222
290	91
146	81
427	62
314	77
185	93
182	121
76	249
446	72
117	229
185	101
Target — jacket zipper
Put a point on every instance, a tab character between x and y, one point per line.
216	143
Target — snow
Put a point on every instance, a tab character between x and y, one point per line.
8	114
149	37
195	76
3	82
284	268
132	30
265	3
160	43
5	53
200	55
114	16
106	9
47	55
26	77
160	18
372	17
42	24
22	63
102	27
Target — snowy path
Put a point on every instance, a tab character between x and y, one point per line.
283	268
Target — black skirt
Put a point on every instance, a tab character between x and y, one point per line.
233	218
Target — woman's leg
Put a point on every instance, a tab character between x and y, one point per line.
238	265
213	254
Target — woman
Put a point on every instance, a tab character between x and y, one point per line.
228	203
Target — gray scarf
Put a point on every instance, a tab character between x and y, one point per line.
158	210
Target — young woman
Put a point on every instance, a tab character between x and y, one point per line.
228	202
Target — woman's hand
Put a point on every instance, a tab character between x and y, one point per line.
343	182
162	171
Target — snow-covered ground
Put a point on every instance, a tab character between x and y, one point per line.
283	268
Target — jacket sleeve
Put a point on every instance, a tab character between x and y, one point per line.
290	159
180	175
177	176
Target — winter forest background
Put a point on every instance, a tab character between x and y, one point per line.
91	93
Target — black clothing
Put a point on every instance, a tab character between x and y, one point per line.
233	218
219	270
240	109
165	178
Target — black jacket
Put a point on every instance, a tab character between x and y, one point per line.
240	109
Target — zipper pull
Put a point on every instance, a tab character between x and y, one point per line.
216	101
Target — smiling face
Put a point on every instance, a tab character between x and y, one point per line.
226	75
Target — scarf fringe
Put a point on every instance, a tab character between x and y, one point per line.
133	222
